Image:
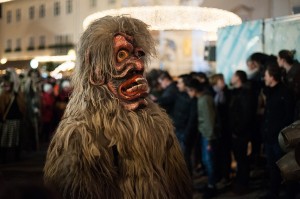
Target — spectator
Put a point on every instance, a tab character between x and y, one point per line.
47	110
180	111
62	99
256	64
12	110
152	78
240	121
221	100
206	126
277	115
185	119
170	91
292	76
33	93
202	78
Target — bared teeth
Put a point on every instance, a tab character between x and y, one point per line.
140	80
138	87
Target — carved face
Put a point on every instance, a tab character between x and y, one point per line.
129	83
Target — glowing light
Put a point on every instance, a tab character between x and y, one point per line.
60	58
3	1
72	53
34	63
19	71
57	76
3	61
66	66
174	17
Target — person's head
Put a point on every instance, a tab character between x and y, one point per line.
152	78
10	80
113	53
182	81
48	88
65	85
194	87
21	76
217	80
238	79
256	61
165	79
6	83
201	77
34	73
272	75
285	58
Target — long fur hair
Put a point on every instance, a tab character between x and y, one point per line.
100	149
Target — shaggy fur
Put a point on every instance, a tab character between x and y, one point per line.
100	149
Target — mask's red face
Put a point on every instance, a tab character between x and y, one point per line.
129	84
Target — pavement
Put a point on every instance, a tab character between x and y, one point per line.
30	170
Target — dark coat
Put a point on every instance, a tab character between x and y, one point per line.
278	112
191	129
180	111
167	99
292	79
256	84
5	98
241	111
222	113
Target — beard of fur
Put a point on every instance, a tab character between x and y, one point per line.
81	164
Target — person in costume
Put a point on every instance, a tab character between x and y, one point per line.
114	142
12	111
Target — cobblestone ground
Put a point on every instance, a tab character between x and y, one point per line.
255	191
30	169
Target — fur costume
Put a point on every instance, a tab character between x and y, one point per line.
112	141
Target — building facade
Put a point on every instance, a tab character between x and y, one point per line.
30	28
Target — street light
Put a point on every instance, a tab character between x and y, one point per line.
34	63
3	60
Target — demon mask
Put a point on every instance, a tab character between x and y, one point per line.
128	83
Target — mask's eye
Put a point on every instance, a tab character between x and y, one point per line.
122	55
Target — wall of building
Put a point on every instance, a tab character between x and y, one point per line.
49	26
71	24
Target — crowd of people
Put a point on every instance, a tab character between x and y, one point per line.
30	109
217	124
214	122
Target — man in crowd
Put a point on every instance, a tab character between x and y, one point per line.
277	115
206	126
240	121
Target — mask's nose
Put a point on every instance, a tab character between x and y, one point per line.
139	53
